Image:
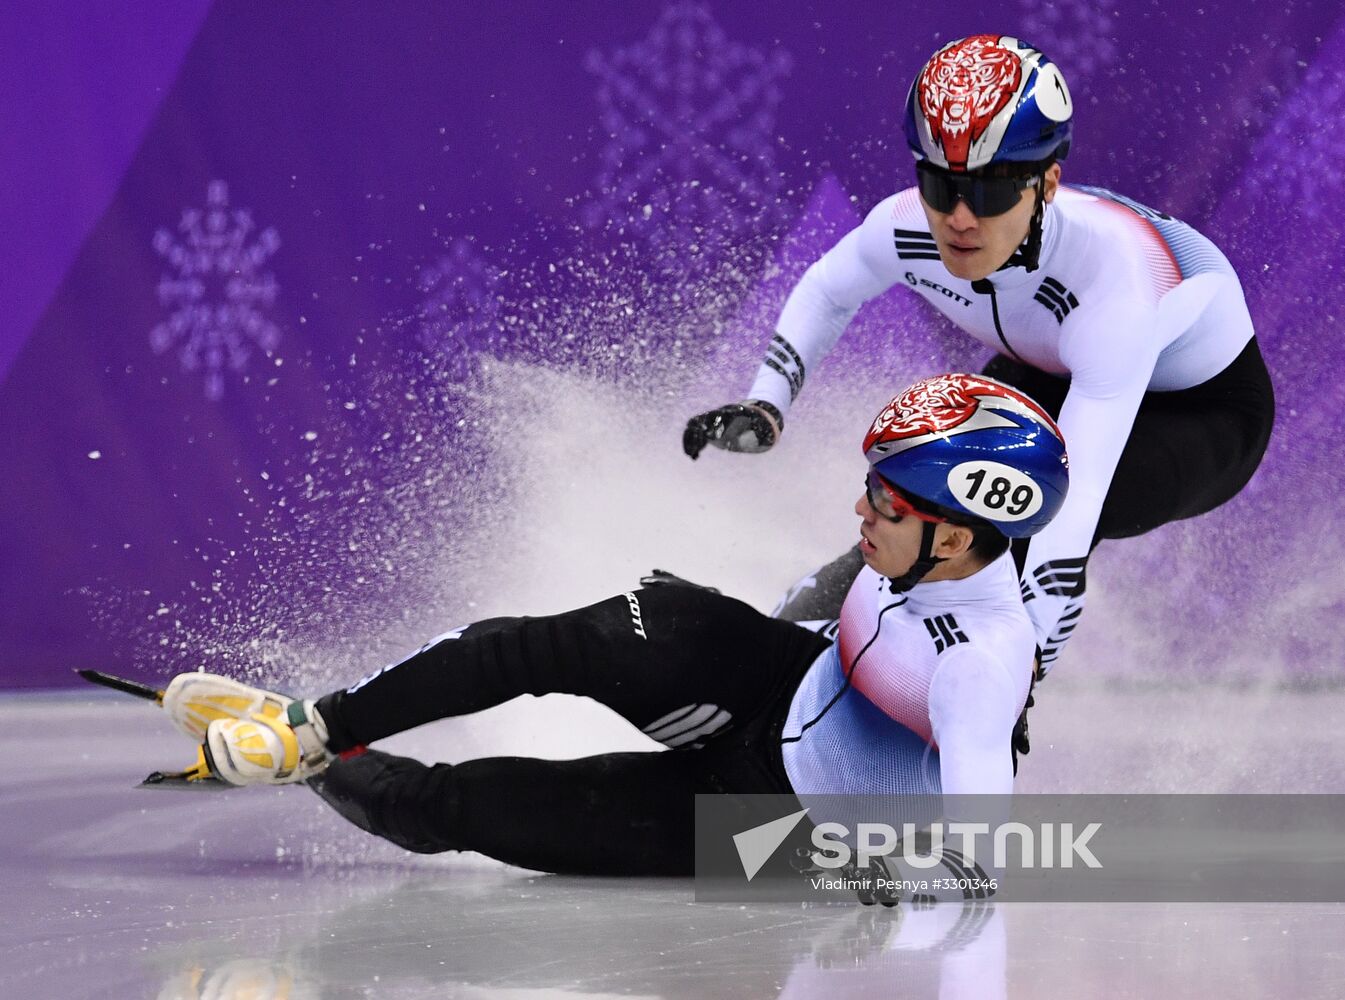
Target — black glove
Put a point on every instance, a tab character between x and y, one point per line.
751	426
877	892
873	877
662	578
1022	743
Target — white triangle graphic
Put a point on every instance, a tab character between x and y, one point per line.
755	846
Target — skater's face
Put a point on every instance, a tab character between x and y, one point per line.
974	247
891	532
889	547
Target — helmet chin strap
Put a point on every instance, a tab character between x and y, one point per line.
925	562
1028	254
1032	251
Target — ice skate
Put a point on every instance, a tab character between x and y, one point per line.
194	700
267	748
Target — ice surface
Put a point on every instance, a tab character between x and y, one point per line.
115	892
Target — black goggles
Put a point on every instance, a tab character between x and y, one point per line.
887	501
985	196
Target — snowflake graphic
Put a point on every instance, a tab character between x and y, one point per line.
460	308
218	291
1079	38
691	121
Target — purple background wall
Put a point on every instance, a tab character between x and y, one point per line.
256	255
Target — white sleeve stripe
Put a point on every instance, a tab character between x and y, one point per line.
679	726
711	726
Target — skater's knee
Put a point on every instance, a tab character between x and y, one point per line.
396	798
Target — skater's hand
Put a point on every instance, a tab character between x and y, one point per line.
751	426
1021	740
662	578
873	884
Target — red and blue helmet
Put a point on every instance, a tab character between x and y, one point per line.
977	448
988	99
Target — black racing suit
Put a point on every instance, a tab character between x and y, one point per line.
704	674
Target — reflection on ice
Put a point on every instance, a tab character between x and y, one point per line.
587	938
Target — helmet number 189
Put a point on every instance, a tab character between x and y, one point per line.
994	491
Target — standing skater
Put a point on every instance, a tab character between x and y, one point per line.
919	692
1127	325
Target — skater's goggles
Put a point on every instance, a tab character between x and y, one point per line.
985	196
889	502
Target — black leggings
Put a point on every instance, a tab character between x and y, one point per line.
1188	452
704	674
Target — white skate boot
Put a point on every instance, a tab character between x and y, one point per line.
195	700
248	735
264	749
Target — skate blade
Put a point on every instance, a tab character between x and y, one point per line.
198	777
122	684
184	779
